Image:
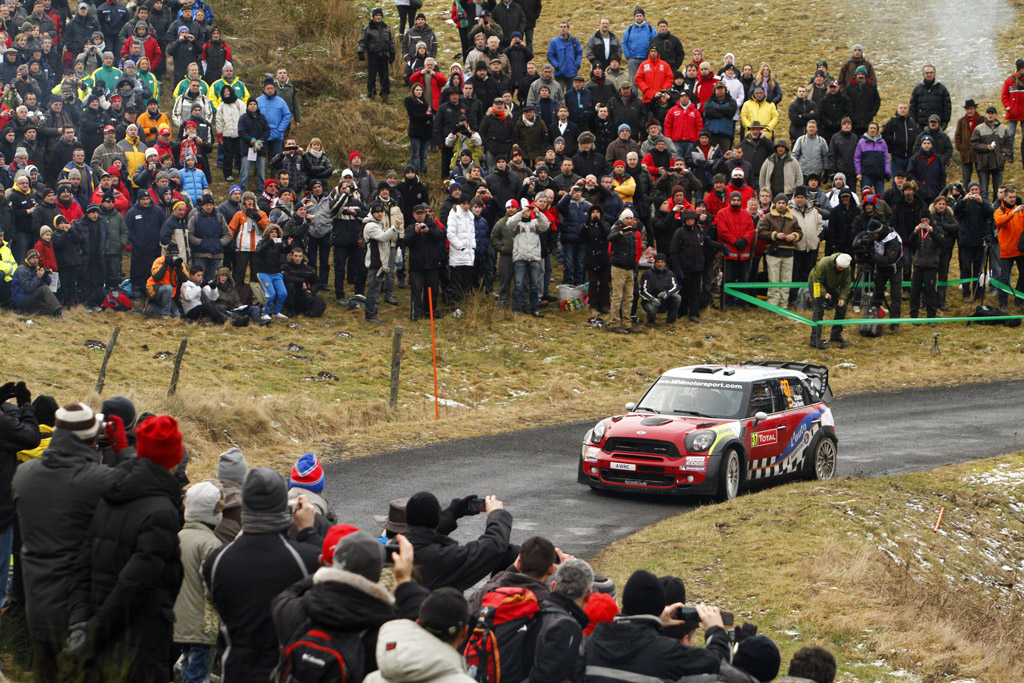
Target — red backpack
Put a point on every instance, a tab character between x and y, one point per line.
498	647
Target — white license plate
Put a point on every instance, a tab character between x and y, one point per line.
629	467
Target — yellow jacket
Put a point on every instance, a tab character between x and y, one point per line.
7	263
45	431
764	111
625	186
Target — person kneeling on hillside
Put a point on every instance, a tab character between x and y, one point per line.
30	290
659	291
302	282
829	283
168	274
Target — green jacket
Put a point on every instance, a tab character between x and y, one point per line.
502	237
117	233
831	278
108	75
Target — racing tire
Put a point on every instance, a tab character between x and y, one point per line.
821	466
730	476
582	478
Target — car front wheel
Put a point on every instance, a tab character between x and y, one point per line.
730	474
823	464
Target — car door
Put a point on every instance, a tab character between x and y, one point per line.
765	439
796	422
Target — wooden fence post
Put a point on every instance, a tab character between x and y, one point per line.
396	364
106	357
177	367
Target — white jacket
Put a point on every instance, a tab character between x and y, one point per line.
191	295
183	108
461	237
735	88
407	653
225	121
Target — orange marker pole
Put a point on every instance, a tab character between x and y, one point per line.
939	520
433	346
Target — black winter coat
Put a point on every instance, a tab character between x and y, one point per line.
559	633
503	186
269	255
906	216
19	430
800	112
831	111
64	484
686	255
253	127
426	250
840	231
899	134
377	40
595	237
930	98
635	644
343	602
445	562
496	134
841	149
68	246
318	168
129	572
864	104
974	220
243	578
624	251
420	119
346	227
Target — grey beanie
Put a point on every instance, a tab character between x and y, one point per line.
360	553
232	466
204	503
264	491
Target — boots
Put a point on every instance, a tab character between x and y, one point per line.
816	341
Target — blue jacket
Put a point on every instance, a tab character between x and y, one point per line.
483	239
111	17
25	282
565	56
636	39
278	116
574	216
581	106
718	116
144	228
193	182
253	127
209	232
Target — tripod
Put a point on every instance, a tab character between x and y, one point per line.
980	286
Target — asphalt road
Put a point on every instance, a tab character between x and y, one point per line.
534	471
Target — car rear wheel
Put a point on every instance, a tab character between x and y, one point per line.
822	466
730	475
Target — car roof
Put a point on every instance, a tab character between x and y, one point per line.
731	373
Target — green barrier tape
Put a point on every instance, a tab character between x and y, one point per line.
793	285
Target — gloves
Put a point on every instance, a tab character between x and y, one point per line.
655	303
747	630
7	391
362	56
77	639
459	507
116	436
663	296
741	244
22	394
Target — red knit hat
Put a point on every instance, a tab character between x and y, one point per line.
600	608
268	182
353	155
331	540
159	440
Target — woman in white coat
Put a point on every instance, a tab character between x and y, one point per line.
462	248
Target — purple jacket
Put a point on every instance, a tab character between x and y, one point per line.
871	158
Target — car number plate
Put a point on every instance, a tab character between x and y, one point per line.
628	467
634	482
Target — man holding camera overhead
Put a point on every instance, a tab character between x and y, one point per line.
168	275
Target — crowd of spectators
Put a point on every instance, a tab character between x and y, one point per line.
124	570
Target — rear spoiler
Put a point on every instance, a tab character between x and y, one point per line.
817	374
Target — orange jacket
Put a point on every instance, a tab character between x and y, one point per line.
246	240
169	278
1009	225
149	126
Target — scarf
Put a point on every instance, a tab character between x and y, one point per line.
972	121
527	122
265	522
499	114
317	153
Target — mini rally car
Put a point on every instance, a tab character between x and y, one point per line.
711	430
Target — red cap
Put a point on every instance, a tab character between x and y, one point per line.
191	124
620	162
331	540
353	155
268	182
600	608
106	128
512	204
159	440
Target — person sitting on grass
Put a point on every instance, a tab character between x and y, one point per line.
30	290
659	292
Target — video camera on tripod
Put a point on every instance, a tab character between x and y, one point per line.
863	249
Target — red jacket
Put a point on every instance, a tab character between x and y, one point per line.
150	48
435	94
47	259
714	204
121	201
1013	98
746	192
733	225
72	212
706	88
653	75
683	124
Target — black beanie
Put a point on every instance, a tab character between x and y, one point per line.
423	510
122	407
643	594
45	408
264	490
759	657
675	589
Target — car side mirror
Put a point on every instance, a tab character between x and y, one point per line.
760	416
630	407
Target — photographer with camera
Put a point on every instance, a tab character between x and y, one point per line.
830	284
30	290
888	262
973	212
635	642
162	286
425	240
927	244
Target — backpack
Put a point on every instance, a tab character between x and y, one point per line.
498	646
117	300
983	312
873	329
316	655
317	307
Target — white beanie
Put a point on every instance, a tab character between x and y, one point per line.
79	419
204	502
843	260
626	213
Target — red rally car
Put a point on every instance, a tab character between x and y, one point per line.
710	430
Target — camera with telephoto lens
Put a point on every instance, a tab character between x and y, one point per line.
864	249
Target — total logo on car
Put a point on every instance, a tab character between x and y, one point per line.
711	430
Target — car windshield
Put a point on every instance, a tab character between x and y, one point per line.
701	398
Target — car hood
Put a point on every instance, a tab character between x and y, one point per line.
665	427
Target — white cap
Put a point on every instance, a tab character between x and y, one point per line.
626	213
347	173
843	260
737	172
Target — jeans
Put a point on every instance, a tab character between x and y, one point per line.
320	250
1011	129
209	264
779	270
195	664
633	67
987	177
163	302
818	305
261	171
418	151
572	273
966	172
230	149
875	184
549	267
923	278
971	260
527	276
273	287
1007	268
372	292
670	306
898	167
6	545
20	245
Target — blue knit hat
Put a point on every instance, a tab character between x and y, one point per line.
308	474
233	189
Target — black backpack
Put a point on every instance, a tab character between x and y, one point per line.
318	655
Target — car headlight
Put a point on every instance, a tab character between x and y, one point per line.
700	441
597	433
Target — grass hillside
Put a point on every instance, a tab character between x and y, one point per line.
854	565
